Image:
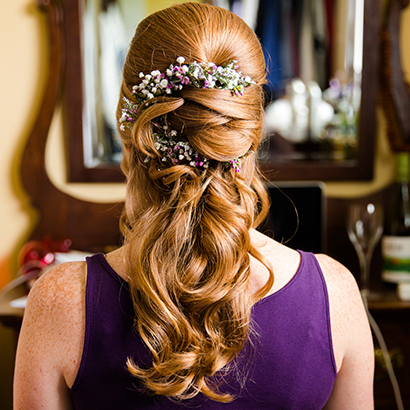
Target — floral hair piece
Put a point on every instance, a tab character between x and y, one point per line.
199	75
179	152
176	151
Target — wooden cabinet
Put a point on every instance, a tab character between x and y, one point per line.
394	322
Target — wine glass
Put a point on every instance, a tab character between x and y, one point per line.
364	227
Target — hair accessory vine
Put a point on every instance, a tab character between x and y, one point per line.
176	151
199	75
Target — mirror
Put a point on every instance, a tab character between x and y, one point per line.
320	120
314	77
395	95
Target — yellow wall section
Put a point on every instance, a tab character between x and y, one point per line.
22	81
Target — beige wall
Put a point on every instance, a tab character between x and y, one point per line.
21	42
22	69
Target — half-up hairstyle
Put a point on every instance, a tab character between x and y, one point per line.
187	229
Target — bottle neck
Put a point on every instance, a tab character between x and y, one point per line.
402	167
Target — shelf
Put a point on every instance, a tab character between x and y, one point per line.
389	301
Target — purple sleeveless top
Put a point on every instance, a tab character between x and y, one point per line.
288	365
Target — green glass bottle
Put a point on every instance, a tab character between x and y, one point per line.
396	239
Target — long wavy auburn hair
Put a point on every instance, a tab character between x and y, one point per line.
187	230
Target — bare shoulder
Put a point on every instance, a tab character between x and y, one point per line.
51	338
338	278
344	295
56	305
58	287
346	306
352	340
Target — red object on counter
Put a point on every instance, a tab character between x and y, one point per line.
36	255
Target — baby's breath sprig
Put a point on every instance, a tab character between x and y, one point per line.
174	151
129	114
236	162
180	152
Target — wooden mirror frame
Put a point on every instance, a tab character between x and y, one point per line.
395	90
90	226
360	169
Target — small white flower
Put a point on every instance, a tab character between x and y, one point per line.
180	60
248	79
163	83
168	91
141	75
185	68
173	133
145	92
181	157
154	89
148	76
145	82
149	95
155	73
169	72
122	127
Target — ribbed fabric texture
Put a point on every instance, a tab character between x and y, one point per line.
288	364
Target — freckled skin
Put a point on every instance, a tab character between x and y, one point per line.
50	343
52	335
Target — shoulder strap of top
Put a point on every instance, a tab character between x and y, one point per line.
103	289
305	292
